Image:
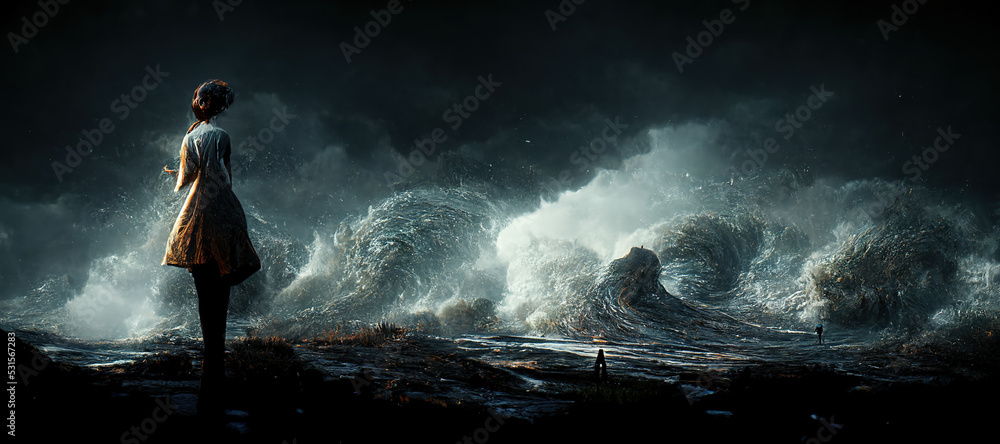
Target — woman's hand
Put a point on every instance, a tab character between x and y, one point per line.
169	171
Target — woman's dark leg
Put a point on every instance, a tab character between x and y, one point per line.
213	305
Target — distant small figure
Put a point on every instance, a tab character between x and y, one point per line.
601	366
819	332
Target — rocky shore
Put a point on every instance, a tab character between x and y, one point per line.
418	389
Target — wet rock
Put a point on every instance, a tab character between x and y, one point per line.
462	316
635	276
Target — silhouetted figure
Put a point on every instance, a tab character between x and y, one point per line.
601	366
819	332
210	236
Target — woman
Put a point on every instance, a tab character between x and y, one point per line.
210	236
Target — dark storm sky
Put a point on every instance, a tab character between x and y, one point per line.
607	59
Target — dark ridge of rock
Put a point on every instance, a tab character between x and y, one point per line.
626	293
636	275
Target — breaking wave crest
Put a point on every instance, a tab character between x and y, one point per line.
781	250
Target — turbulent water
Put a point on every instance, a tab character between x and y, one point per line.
730	269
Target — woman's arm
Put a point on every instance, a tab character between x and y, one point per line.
190	160
226	151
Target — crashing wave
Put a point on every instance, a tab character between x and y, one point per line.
897	272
